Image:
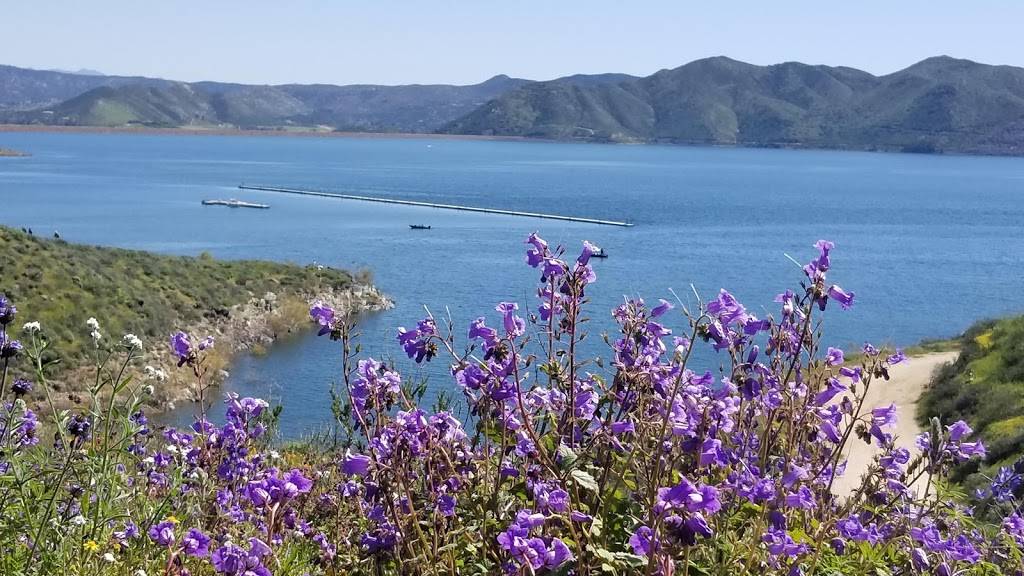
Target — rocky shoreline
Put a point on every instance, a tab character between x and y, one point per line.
249	328
246	329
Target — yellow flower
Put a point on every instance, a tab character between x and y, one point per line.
172	520
91	546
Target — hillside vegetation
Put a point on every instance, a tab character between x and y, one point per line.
62	285
27	89
985	387
58	98
938	105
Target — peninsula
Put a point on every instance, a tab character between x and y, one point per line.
244	305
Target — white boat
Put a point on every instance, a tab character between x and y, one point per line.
235	203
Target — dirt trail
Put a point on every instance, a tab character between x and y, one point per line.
907	382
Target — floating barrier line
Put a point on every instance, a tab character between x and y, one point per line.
309	192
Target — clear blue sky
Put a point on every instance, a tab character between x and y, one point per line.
393	42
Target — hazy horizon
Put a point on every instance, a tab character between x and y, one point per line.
392	42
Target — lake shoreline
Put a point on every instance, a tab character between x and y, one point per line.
253	328
186	131
344	134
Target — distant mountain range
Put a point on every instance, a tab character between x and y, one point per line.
59	98
941	104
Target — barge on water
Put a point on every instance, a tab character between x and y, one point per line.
312	192
233	203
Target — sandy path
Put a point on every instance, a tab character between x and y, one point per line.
904	387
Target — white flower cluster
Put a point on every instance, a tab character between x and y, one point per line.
155	374
94	326
132	342
31	327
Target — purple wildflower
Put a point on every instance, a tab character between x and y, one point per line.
897	358
446	505
883	417
355	464
780	543
7	311
662	307
232	560
833	388
162	534
845	299
834	357
557	554
181	345
959	430
642	541
78	426
417	342
478	330
324	316
9	348
539	250
20	387
195	543
588	251
514	325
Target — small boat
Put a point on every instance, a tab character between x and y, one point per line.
419	227
235	203
599	254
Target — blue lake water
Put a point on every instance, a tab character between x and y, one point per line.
928	243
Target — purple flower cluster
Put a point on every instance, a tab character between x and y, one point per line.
418	342
638	462
533	551
186	350
192	543
232	560
277	489
324	316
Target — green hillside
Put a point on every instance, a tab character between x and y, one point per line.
985	387
175	105
941	104
61	285
59	98
938	105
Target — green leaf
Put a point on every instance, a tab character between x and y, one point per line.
631	559
567	456
595	526
584	480
606	555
